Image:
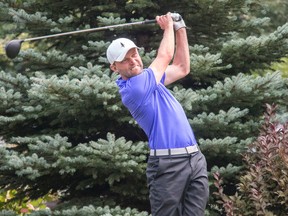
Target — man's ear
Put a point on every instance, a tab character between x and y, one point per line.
113	67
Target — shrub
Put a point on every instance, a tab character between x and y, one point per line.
262	189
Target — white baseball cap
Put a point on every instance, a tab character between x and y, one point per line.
118	49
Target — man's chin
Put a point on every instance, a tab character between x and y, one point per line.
136	70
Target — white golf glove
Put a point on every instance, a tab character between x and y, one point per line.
178	22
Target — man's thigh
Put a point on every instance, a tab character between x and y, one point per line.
167	179
197	192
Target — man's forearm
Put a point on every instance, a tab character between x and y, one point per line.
182	55
167	45
166	48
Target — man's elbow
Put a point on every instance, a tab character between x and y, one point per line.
185	69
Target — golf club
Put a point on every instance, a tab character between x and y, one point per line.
13	47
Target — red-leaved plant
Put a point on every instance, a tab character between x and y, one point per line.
263	188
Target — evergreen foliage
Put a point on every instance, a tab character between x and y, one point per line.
61	114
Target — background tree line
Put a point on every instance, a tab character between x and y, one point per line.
66	131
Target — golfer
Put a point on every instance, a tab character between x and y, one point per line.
176	169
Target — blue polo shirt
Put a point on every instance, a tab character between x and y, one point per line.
157	111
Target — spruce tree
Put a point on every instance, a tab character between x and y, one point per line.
65	128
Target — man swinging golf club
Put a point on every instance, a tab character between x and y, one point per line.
176	170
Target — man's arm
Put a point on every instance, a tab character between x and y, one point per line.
166	49
180	66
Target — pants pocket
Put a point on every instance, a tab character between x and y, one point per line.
152	169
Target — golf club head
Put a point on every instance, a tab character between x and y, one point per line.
12	48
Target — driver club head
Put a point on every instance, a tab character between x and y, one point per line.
12	48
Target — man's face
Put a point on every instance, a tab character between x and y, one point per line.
130	66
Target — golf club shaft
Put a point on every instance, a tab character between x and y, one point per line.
91	30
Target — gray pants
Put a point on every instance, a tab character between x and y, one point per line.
178	185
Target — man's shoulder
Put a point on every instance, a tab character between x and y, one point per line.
135	80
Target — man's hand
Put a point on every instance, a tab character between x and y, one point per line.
164	21
178	22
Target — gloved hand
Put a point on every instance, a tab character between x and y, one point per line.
178	22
